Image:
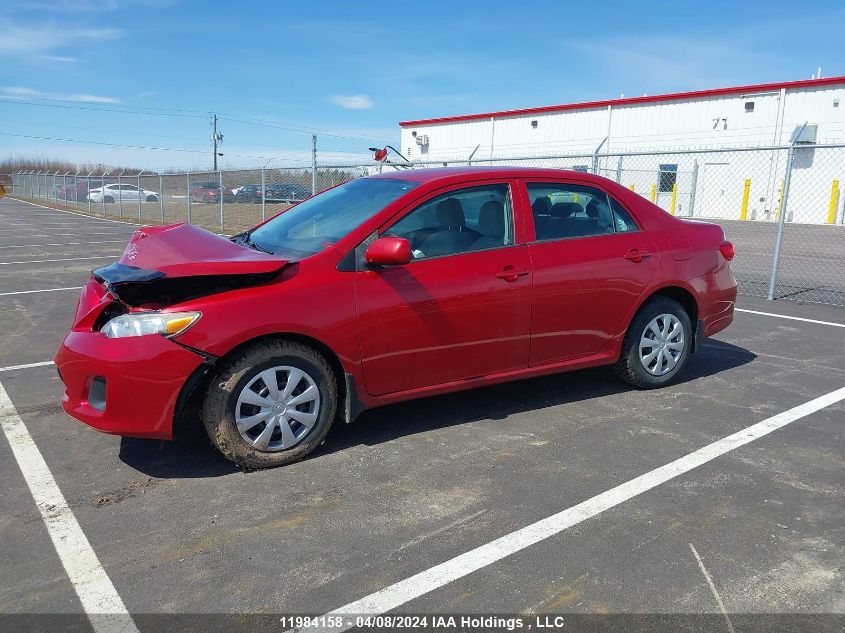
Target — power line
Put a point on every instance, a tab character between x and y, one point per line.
305	154
193	114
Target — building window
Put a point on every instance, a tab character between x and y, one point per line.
668	176
749	106
534	124
582	168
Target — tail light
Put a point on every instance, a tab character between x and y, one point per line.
727	250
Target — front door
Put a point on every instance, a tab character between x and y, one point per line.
461	308
591	264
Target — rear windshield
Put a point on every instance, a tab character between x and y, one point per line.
319	222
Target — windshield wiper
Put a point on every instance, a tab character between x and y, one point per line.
244	239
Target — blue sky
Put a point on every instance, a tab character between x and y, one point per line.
146	74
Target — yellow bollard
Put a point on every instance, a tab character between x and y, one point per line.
780	201
743	212
674	197
631	187
834	202
653	193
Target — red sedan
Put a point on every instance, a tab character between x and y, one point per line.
384	289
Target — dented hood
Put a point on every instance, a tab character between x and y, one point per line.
163	265
184	250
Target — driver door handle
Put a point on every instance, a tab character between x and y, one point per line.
636	255
510	273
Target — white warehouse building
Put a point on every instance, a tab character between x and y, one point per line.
705	153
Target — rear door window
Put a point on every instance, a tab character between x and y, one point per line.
568	210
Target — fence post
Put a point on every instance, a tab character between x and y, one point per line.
784	200
88	190
161	197
743	211
140	195
263	210
694	186
313	164
188	180
64	187
103	197
119	194
619	170
834	202
220	184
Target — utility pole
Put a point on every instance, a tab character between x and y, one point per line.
216	137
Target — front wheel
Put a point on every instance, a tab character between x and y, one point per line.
657	344
271	405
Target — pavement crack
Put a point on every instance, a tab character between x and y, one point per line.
713	589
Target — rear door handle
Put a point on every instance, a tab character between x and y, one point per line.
636	255
510	273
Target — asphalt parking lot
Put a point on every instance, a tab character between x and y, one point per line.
177	529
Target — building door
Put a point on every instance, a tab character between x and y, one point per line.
716	195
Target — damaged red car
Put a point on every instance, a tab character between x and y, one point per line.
384	289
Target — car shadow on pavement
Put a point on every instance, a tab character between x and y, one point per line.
191	455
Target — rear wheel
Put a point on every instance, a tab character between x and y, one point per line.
152	199
108	200
271	405
657	344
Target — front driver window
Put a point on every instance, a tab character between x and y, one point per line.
460	221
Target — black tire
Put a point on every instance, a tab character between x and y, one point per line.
152	199
221	398
630	367
108	200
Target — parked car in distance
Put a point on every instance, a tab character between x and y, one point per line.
249	193
76	189
209	191
389	288
122	192
286	192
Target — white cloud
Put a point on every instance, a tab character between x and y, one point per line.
17	92
62	59
352	102
25	42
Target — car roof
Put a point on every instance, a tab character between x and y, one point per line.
447	173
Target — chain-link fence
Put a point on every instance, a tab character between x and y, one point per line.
782	201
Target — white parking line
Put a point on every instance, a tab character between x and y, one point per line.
63	259
84	215
791	318
27	366
82	234
64	244
29	292
99	598
480	557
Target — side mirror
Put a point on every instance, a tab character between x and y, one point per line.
389	251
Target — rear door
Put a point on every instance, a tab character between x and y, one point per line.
461	308
591	263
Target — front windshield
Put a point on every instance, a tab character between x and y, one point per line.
319	222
